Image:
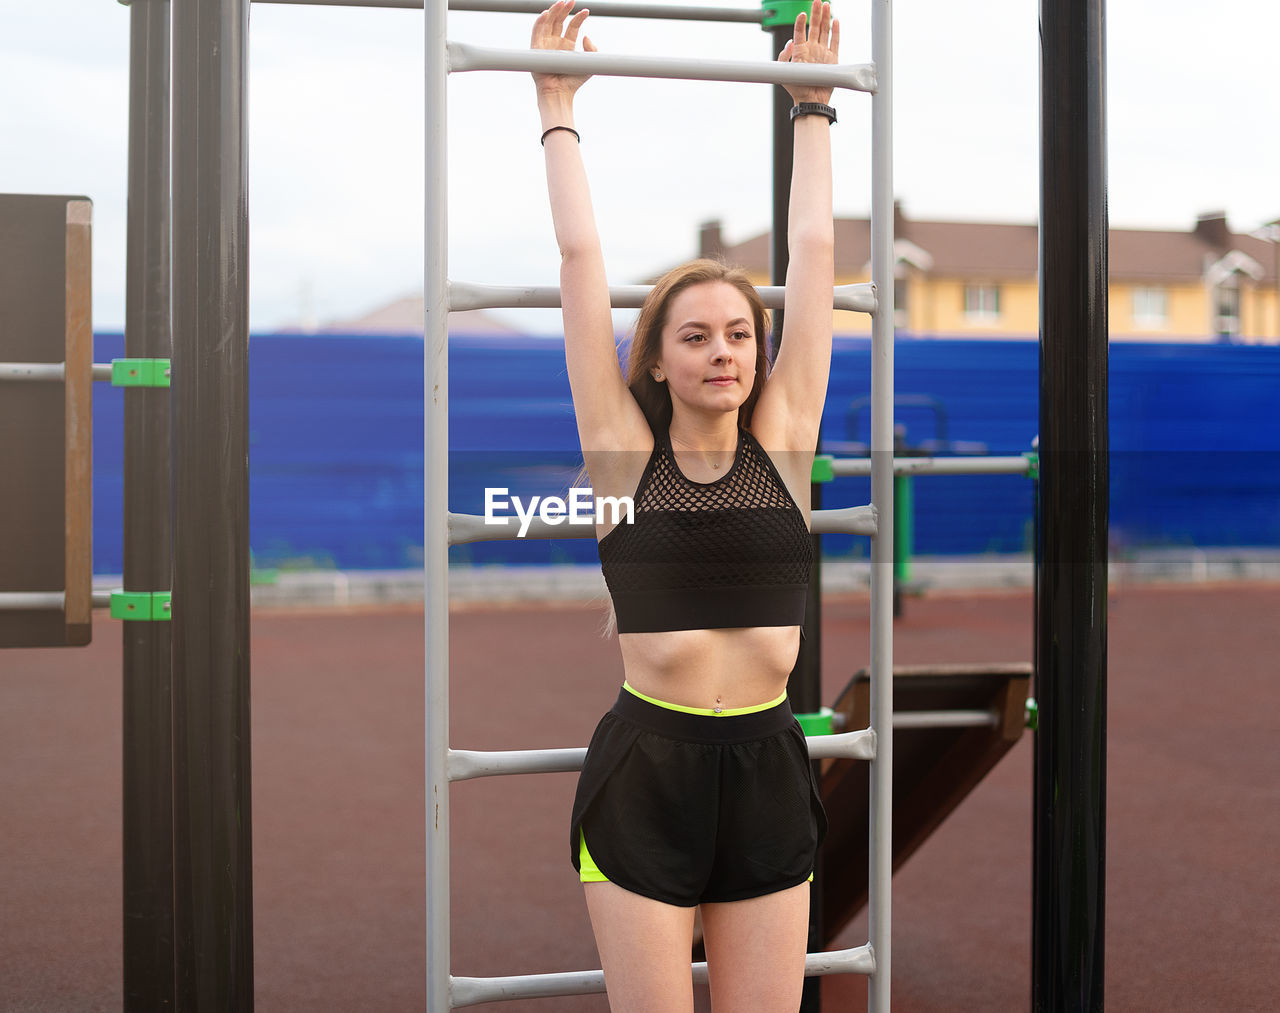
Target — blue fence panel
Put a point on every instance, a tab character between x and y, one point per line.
336	445
1195	445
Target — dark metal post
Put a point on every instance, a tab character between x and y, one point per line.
212	810
1069	858
147	761
805	685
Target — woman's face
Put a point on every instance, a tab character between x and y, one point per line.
708	355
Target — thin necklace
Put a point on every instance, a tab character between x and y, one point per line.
701	453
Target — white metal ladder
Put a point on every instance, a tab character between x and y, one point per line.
443	764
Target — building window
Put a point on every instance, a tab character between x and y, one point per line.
982	302
1226	307
1150	306
900	315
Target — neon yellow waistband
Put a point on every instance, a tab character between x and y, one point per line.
704	711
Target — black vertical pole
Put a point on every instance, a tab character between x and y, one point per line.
1069	858
212	807
147	762
804	688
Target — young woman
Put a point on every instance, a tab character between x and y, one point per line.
696	791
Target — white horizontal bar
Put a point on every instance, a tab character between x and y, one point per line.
679	12
674	12
858	77
854	960
847	466
55	371
464	528
25	601
859	520
469	296
18	371
945	719
859	745
397	4
472	991
465	764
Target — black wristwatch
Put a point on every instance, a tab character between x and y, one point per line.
814	109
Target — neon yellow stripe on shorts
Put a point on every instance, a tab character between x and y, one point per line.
704	711
588	871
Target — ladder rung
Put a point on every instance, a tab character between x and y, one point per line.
859	520
470	296
23	601
465	764
847	466
406	5
857	745
464	528
857	77
946	719
671	12
472	991
36	371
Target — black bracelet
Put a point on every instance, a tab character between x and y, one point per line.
814	109
552	130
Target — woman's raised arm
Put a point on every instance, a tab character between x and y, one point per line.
790	407
608	417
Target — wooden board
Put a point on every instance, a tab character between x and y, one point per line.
46	427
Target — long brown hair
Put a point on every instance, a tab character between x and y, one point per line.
653	397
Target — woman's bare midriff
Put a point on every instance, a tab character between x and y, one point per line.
711	668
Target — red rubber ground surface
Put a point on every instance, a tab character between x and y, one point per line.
1193	891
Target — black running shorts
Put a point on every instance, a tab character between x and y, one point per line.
690	809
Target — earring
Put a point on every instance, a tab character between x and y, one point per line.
657	375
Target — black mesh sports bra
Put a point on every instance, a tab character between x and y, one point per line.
729	553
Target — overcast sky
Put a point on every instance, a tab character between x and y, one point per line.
336	136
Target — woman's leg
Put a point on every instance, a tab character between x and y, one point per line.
755	951
644	949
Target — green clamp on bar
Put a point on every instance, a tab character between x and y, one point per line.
268	575
1033	714
1033	464
823	469
817	724
782	12
140	372
903	527
141	605
257	577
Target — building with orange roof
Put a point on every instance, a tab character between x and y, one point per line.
979	279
